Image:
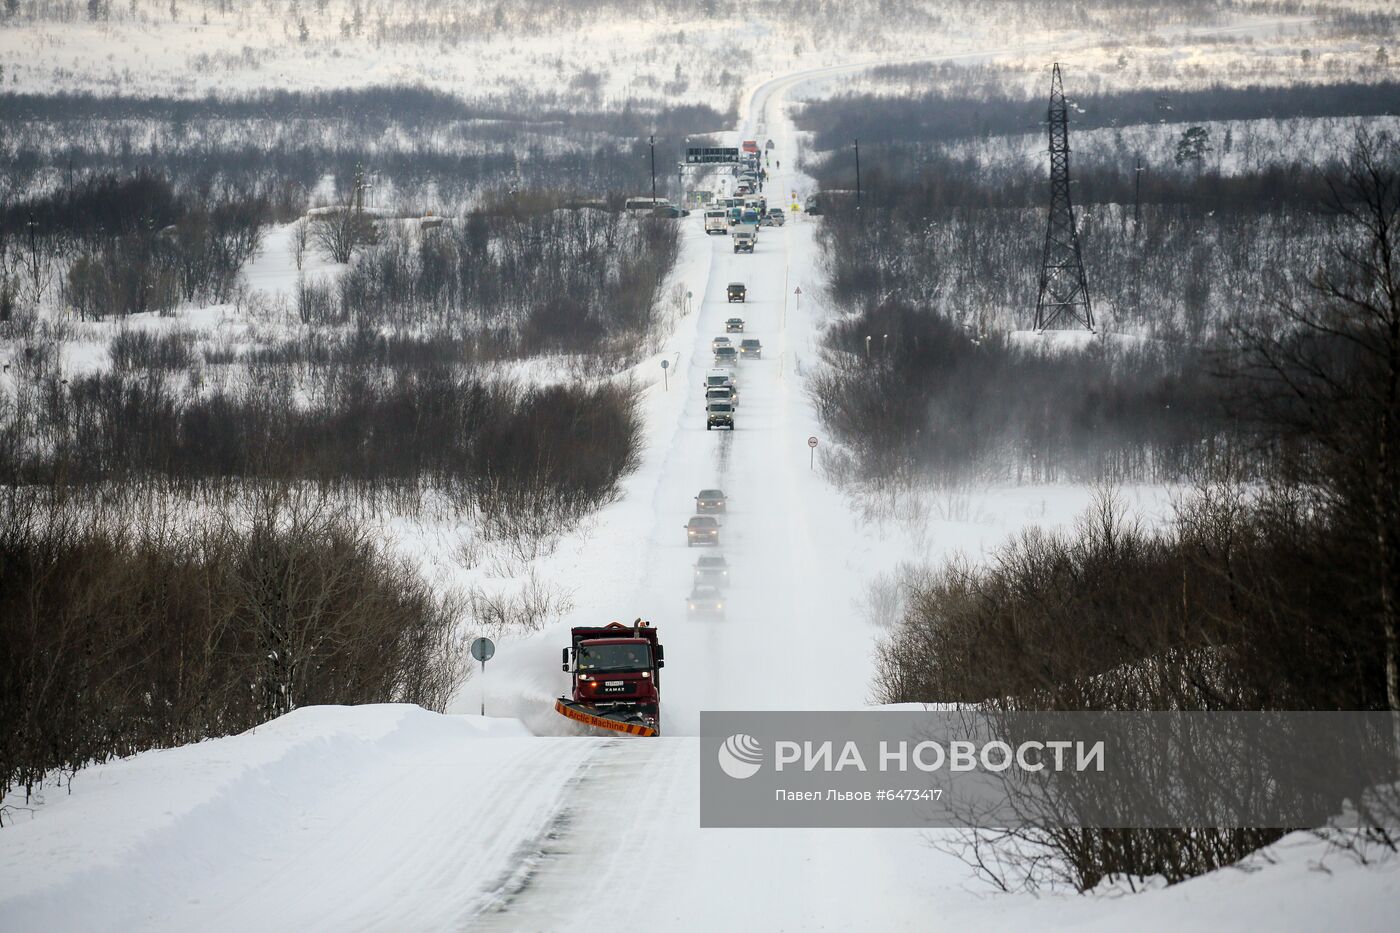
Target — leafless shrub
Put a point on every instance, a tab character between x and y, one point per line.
885	596
338	232
128	625
141	349
530	608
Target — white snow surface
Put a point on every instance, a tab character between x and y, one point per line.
393	818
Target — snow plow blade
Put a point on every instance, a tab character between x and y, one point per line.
632	725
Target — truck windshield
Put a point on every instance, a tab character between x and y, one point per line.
603	658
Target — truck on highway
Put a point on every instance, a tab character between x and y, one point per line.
745	238
717	221
616	672
719	414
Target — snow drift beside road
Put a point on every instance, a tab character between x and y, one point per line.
392	818
350	809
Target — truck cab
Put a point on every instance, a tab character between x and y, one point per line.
745	239
616	672
719	414
717	221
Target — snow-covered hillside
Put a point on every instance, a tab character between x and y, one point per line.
610	53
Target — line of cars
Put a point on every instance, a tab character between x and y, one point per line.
710	581
711	572
721	385
741	217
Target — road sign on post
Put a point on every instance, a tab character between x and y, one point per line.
483	649
812	458
666	373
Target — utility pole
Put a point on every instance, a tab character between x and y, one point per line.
34	257
1137	236
1064	289
857	142
1137	194
651	141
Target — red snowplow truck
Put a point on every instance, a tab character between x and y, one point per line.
617	678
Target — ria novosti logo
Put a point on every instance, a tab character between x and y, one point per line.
741	756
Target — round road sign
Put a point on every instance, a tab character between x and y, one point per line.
665	364
483	649
811	442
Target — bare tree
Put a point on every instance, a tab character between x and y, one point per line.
1335	369
301	238
338	232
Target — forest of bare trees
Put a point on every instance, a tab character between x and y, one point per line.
183	551
1273	594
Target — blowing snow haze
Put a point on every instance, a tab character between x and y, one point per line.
753	375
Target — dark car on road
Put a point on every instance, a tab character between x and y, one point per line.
737	291
711	501
751	349
702	529
734	325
